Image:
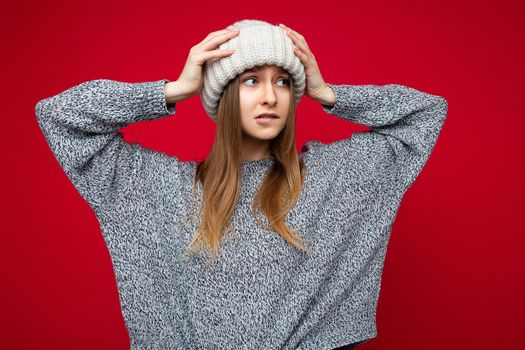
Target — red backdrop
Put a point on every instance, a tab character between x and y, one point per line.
454	271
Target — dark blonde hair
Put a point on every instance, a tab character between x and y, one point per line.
220	175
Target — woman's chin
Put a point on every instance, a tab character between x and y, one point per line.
267	134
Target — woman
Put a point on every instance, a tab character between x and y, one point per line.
297	241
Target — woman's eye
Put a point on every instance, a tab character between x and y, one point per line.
286	81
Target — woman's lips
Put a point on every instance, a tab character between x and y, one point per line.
265	120
267	115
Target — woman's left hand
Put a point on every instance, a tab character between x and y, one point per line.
316	87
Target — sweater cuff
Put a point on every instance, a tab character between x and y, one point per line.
150	99
338	108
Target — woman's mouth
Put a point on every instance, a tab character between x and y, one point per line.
267	116
265	120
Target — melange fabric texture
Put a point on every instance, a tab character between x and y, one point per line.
263	293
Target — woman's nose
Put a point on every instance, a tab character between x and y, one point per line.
269	95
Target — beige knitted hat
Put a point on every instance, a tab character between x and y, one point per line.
258	43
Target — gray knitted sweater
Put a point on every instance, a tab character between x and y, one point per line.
263	293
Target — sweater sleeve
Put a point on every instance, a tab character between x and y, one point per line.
404	127
81	126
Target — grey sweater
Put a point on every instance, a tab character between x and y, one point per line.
263	293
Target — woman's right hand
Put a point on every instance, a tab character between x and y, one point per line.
191	80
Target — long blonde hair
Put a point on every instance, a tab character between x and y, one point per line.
220	175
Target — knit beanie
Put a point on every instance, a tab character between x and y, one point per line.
257	43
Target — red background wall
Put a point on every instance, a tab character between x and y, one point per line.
454	270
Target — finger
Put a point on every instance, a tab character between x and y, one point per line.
296	33
302	56
214	55
291	30
299	42
218	39
301	39
218	32
211	36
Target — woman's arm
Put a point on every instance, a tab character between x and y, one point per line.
81	126
405	124
175	92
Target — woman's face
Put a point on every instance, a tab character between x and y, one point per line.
264	90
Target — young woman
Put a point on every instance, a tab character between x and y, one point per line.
296	241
